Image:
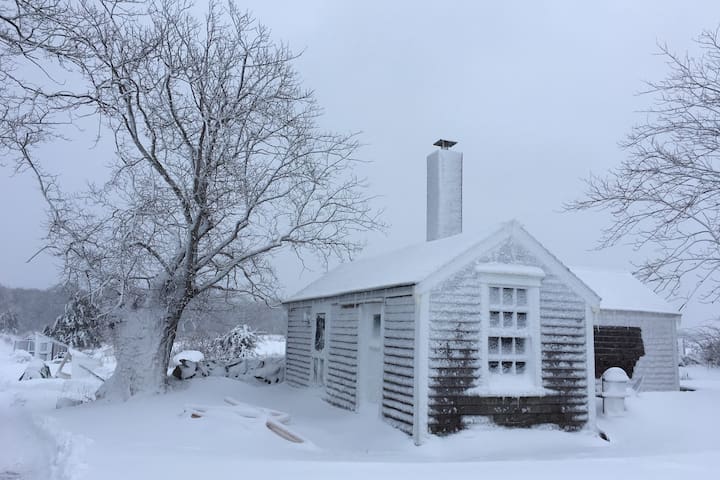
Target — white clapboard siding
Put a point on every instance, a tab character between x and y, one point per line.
659	366
341	385
456	331
297	347
398	361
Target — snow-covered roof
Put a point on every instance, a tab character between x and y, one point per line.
405	266
620	290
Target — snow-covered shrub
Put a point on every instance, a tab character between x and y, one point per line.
267	370
21	356
198	342
188	369
79	325
192	355
240	342
36	369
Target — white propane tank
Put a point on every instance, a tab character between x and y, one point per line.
614	390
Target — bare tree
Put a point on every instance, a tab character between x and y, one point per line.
219	162
666	193
705	341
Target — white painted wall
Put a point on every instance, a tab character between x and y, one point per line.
659	365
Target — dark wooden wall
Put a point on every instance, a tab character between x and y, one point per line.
617	347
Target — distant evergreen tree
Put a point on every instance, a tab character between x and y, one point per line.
79	325
9	322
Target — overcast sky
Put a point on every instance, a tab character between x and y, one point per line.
537	97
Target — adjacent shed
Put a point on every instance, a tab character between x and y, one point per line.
468	328
635	329
41	346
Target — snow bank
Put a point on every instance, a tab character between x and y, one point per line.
270	346
68	459
665	435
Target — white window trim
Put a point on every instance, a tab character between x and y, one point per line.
513	276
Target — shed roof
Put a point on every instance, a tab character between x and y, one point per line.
621	290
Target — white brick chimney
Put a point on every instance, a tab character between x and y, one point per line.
444	191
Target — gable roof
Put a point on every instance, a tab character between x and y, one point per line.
427	262
621	290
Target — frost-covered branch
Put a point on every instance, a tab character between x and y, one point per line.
666	193
219	162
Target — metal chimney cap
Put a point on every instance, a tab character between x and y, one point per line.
444	144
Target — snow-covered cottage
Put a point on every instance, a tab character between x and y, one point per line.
458	329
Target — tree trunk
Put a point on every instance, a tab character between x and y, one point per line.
143	340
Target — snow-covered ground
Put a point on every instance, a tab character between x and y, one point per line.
270	345
663	436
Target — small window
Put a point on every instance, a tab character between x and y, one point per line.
377	323
319	332
494	296
507	346
521	296
508	337
521	320
508	296
493	345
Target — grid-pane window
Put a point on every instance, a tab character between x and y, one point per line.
508	333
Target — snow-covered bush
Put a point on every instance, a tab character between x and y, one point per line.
189	369
200	342
79	326
36	369
267	370
21	356
240	342
192	355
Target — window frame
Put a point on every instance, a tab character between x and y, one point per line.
520	277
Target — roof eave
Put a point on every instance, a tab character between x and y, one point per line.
346	292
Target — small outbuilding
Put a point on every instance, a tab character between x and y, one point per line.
635	329
41	346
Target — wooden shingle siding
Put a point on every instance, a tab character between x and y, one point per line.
297	347
341	386
342	367
398	361
659	365
456	330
